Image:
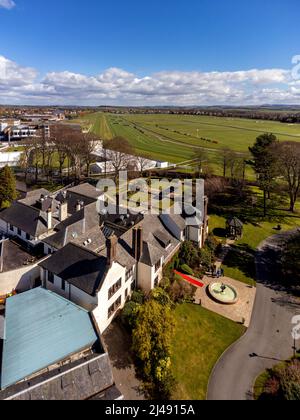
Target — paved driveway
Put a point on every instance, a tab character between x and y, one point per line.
268	340
118	345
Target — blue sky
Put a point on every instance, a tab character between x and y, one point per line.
142	39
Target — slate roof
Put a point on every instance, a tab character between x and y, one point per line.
78	228
26	218
83	382
85	190
151	254
79	267
178	220
154	248
32	196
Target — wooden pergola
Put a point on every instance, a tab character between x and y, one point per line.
234	228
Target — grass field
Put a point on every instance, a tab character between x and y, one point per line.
174	138
239	263
201	338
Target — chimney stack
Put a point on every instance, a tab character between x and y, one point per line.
49	219
79	205
111	246
63	211
137	242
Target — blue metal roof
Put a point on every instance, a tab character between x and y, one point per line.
41	329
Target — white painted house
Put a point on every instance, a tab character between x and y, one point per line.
96	261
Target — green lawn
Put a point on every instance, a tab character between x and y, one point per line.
259	387
201	338
254	234
174	137
239	264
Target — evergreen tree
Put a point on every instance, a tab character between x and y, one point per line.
8	192
264	163
152	339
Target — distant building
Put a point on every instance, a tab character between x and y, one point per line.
162	165
17	132
52	350
11	159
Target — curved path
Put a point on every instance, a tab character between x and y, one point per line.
268	339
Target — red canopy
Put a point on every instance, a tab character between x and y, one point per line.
189	279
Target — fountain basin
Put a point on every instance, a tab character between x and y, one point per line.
223	293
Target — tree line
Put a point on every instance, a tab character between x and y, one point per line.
69	151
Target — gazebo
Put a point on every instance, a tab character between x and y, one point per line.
234	228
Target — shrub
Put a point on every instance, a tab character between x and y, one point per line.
161	296
152	338
186	269
129	314
181	291
138	297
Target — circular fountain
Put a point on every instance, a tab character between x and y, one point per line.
223	293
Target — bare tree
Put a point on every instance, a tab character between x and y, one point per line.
35	156
61	136
119	153
43	145
25	157
226	159
89	146
288	155
200	158
141	164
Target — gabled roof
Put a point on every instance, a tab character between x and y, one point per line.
151	255
79	227
79	267
85	190
32	196
162	237
26	218
42	329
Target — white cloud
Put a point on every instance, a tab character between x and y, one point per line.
7	4
116	86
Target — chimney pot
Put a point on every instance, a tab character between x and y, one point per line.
137	242
63	211
49	219
111	246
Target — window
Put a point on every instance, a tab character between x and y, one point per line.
133	284
50	277
126	294
63	285
19	232
113	308
114	289
157	266
11	228
156	282
27	236
129	274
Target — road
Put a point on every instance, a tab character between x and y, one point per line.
268	339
